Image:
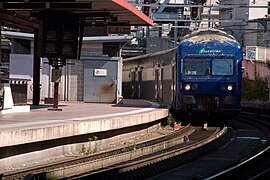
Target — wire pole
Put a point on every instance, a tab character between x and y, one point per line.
175	34
209	15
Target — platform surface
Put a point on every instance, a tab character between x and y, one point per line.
70	111
76	118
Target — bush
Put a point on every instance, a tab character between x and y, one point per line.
254	90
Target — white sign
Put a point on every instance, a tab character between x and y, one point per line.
56	75
251	52
100	72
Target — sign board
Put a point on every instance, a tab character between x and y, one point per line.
118	29
251	52
56	75
100	72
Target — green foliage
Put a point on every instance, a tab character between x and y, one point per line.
260	87
95	139
254	90
268	64
131	147
247	89
89	149
168	120
82	149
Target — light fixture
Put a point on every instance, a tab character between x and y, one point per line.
187	87
229	87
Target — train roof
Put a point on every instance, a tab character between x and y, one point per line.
150	54
207	32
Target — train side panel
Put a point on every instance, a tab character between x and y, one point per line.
150	77
202	75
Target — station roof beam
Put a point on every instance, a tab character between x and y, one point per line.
25	13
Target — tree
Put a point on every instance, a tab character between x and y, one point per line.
268	64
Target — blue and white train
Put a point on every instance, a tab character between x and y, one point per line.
203	74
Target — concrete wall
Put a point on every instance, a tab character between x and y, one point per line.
71	85
21	67
255	66
76	75
255	13
92	49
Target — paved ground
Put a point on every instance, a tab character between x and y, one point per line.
71	111
19	131
76	118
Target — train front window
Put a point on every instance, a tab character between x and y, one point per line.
196	67
222	67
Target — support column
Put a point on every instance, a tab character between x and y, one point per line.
56	79
55	94
0	51
36	71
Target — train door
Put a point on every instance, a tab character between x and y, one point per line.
157	87
139	83
133	83
173	82
158	83
161	84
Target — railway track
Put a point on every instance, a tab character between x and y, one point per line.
244	156
92	163
149	165
241	151
256	166
97	160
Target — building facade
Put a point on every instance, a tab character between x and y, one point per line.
95	77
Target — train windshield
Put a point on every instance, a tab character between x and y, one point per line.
222	66
196	66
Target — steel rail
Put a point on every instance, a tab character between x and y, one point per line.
161	159
233	169
45	168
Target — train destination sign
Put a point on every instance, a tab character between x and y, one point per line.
118	29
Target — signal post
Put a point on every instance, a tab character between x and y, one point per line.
59	33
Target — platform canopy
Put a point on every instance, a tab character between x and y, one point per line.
26	13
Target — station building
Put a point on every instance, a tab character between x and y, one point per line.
95	77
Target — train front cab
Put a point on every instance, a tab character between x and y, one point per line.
209	85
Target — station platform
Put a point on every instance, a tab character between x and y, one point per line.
76	118
44	134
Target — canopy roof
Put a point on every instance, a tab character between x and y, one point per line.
26	13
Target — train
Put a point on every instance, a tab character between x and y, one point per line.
202	75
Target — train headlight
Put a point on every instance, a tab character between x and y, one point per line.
229	88
187	87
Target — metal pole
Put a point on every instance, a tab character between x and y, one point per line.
0	49
56	76
36	71
209	15
175	34
55	97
